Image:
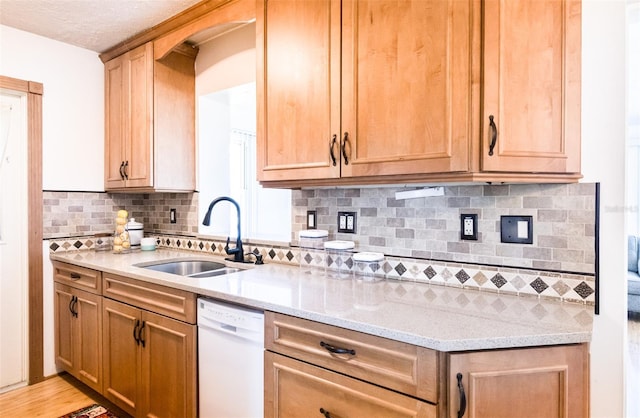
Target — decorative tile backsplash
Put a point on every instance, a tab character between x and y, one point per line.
70	214
420	237
429	227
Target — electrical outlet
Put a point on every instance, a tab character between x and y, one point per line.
469	226
172	216
347	222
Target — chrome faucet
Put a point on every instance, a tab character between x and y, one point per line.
237	252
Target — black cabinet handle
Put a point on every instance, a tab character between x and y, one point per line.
122	172
71	305
463	397
140	333
326	413
494	134
135	332
75	276
337	350
125	169
331	145
345	139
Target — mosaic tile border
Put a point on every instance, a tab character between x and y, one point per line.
566	287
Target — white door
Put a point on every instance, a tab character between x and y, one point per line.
13	240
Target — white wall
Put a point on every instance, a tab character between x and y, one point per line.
603	142
73	106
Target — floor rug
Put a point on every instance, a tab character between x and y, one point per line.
92	411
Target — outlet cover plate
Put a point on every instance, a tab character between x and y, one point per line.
516	229
469	226
347	222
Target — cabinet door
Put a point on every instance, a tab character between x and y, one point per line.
406	86
63	322
168	367
532	86
88	339
298	55
121	354
297	389
139	145
115	91
526	383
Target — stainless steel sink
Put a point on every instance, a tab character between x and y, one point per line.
191	268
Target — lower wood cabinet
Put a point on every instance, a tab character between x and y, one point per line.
78	340
298	389
149	362
525	383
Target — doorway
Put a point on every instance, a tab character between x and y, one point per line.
32	92
13	237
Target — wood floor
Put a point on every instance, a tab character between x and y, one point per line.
52	398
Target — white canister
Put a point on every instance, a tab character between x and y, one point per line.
136	232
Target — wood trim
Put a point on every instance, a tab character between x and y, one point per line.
161	29
34	92
235	11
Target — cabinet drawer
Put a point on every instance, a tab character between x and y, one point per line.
399	366
77	277
163	300
297	389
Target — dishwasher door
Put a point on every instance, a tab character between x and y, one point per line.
230	360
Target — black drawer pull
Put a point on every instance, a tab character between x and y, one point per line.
135	332
75	276
326	413
336	350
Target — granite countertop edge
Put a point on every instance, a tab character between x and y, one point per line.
435	325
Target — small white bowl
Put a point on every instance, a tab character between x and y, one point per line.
147	244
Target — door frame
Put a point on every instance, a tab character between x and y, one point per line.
34	93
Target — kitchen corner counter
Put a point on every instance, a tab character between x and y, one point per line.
438	317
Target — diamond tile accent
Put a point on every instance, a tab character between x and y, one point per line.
308	258
518	283
462	276
290	255
498	280
430	272
561	287
54	246
539	285
480	278
400	269
272	254
386	267
584	290
446	274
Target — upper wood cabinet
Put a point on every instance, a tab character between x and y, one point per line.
531	86
150	121
364	91
363	88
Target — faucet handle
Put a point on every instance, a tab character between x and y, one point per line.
229	250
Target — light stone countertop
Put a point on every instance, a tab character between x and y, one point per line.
438	317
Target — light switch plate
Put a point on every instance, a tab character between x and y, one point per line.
311	219
469	226
516	229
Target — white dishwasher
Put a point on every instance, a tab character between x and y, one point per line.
230	360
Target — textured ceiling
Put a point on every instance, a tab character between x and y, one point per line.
96	25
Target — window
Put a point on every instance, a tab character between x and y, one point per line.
227	167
